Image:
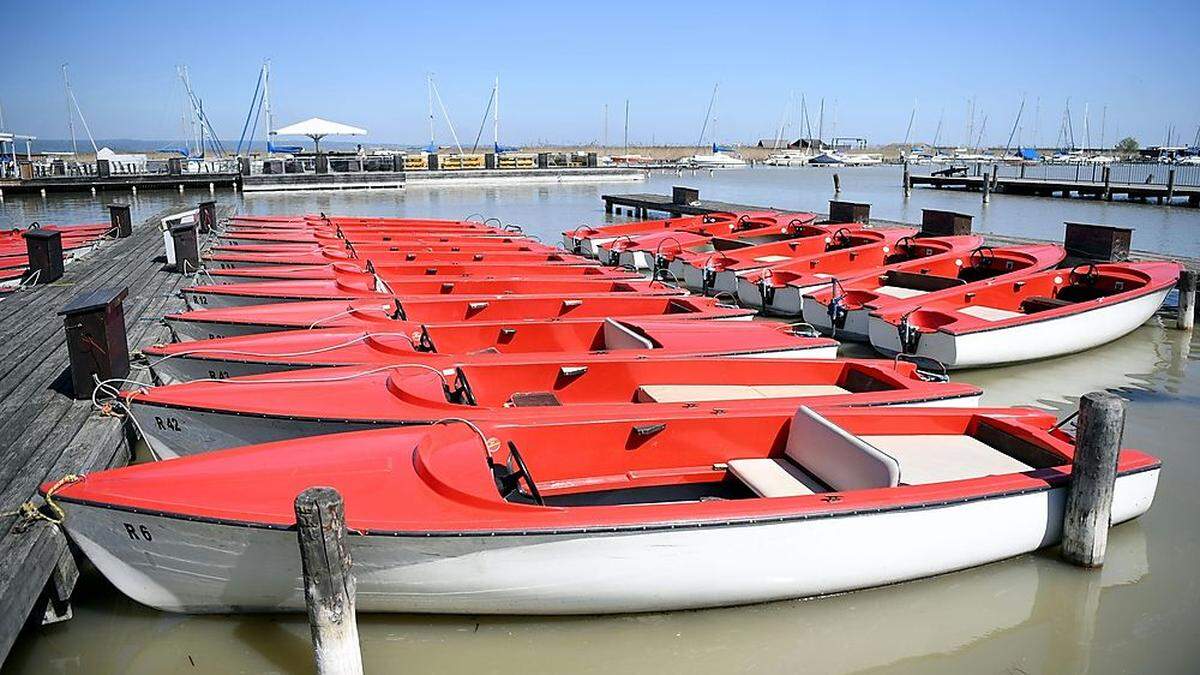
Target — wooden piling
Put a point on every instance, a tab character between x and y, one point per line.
1170	184
1107	173
328	581
1186	318
1088	512
907	180
987	188
837	184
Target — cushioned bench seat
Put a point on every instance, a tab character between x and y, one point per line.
899	292
774	477
936	458
680	393
989	313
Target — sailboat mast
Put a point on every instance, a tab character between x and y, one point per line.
626	126
1087	128
911	119
70	113
707	116
267	104
496	116
604	135
429	88
821	124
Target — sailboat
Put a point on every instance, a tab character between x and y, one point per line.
722	157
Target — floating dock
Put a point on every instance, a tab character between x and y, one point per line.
1048	187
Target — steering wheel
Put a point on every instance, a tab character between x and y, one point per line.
1089	275
841	234
795	224
463	391
741	222
904	242
982	257
523	472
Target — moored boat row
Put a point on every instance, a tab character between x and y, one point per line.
516	429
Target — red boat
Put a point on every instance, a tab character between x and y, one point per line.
398	271
1033	316
779	289
587	240
595	516
843	308
435	343
643	251
202	416
238	259
719	271
374	315
260	292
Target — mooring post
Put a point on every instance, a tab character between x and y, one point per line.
987	188
995	175
1187	300
328	581
1170	184
1088	512
187	247
1107	173
907	180
44	255
837	183
1022	169
97	343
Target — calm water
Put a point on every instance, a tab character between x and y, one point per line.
1140	613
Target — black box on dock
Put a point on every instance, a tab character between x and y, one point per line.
120	219
207	216
187	247
45	251
1107	243
935	223
684	195
96	340
849	212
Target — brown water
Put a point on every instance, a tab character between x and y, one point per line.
1032	614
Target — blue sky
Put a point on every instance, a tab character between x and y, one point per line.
561	62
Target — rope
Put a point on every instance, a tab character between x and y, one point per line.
323	380
263	355
348	311
29	511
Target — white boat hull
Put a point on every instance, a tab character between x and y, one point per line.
1029	341
855	327
183	565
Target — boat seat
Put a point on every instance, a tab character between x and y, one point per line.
936	458
921	282
899	292
680	393
836	457
1041	303
989	313
534	399
620	336
768	477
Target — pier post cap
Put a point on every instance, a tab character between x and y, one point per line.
97	298
43	234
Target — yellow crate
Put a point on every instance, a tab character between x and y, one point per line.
413	162
523	161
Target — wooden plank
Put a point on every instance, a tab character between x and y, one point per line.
45	434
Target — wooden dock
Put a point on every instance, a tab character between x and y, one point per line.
639	205
1043	187
46	433
119	182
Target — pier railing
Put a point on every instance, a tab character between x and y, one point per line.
1119	173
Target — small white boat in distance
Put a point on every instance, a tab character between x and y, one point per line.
716	160
788	158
